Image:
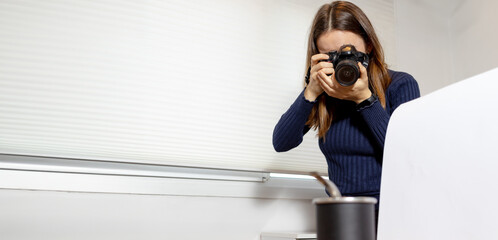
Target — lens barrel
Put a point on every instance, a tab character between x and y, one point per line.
347	72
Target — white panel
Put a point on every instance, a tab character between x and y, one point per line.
191	83
439	176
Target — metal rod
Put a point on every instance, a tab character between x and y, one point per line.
329	185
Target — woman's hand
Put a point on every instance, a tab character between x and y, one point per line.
313	89
357	92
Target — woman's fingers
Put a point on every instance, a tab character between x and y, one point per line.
321	65
324	67
363	70
317	57
327	71
326	83
317	64
327	79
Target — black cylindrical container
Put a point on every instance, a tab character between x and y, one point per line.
345	218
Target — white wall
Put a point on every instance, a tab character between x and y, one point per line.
474	37
443	42
83	203
73	215
423	42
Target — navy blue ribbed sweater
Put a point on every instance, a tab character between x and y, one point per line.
354	144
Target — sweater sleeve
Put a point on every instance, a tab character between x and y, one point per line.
291	127
403	88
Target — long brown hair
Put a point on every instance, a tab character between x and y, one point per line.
345	16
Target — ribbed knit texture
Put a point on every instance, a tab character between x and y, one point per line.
354	144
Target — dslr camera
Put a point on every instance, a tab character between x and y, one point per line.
345	63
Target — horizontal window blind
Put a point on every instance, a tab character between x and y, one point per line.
184	83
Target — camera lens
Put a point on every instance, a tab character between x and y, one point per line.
347	72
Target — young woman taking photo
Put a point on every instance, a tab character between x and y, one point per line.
351	117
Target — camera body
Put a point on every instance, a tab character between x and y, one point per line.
345	63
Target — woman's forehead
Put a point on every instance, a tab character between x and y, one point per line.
335	39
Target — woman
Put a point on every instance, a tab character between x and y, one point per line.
351	120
